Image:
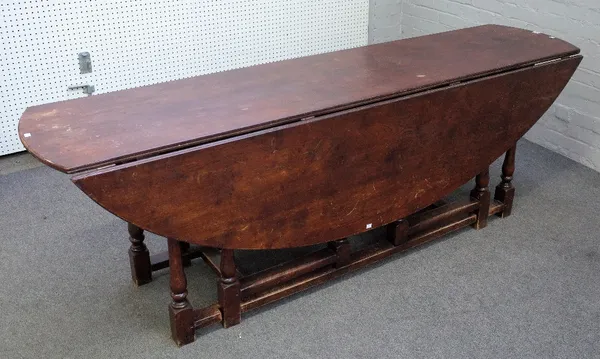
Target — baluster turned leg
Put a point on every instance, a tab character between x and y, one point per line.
505	192
481	193
185	247
139	257
397	232
181	312
342	251
228	290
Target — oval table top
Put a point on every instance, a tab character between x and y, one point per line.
123	126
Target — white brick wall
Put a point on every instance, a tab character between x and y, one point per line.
572	126
384	20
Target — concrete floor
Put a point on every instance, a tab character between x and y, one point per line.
527	286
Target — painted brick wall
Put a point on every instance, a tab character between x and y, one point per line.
384	20
572	126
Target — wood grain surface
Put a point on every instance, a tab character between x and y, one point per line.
138	123
333	176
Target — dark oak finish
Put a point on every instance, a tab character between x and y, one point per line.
496	207
161	260
341	249
424	221
330	177
306	151
397	232
261	281
505	191
481	193
228	290
126	125
139	257
181	312
364	257
239	293
185	249
207	316
288	278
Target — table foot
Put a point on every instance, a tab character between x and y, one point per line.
139	256
505	191
228	290
342	251
181	312
397	232
481	193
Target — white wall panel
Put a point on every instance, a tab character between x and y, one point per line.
140	42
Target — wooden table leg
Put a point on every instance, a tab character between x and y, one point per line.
228	290
505	191
342	251
481	193
181	312
139	257
397	232
185	248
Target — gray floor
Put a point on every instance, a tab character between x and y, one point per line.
525	287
